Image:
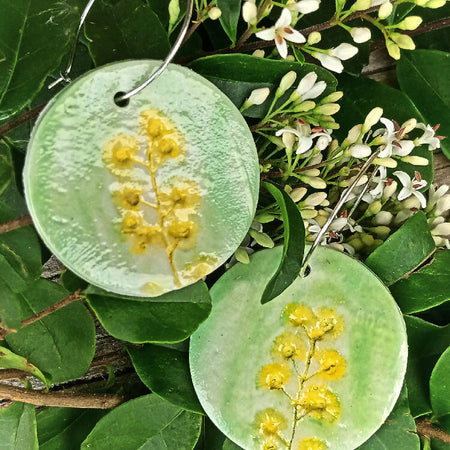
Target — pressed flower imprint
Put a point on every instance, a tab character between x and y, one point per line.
302	352
163	215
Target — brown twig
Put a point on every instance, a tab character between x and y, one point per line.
62	399
191	30
427	430
7	127
13	374
69	299
15	223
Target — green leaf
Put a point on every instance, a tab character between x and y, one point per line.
213	439
172	317
9	360
6	167
61	344
405	250
34	36
10	304
421	76
363	94
439	445
293	247
238	75
65	428
72	282
146	422
165	371
426	343
398	431
440	390
425	289
129	29
18	427
231	11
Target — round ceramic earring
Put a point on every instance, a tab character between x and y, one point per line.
134	189
319	367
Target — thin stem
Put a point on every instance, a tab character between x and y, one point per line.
15	223
63	399
69	299
7	127
192	29
427	430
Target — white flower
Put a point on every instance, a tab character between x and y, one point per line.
305	137
282	32
393	146
308	88
250	12
329	62
377	192
360	34
258	96
306	6
440	230
428	136
410	186
344	51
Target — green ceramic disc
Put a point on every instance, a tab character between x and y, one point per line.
319	367
139	199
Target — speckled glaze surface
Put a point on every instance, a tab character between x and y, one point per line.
249	361
71	181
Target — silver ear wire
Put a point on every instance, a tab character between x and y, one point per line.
339	205
176	46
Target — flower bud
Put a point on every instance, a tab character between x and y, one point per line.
415	160
442	229
381	231
214	13
259	53
333	97
308	213
298	193
361	5
393	49
315	199
410	23
390	189
314	38
344	51
311	172
443	204
435	4
328	109
411	203
383	218
286	82
372	118
403	41
385	10
360	151
360	34
329	62
250	12
354	133
409	125
386	162
305	106
315	182
374	208
258	96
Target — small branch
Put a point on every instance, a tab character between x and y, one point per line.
62	399
7	127
15	223
191	30
430	26
69	299
427	430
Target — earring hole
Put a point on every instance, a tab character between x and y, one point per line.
119	101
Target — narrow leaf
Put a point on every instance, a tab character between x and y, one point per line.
213	439
18	427
405	250
398	431
426	69
9	360
231	11
293	247
425	289
61	344
165	371
172	317
146	422
129	29
65	428
440	390
426	344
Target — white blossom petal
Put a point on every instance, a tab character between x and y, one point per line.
404	178
294	36
306	83
284	20
344	51
406	148
329	62
281	47
315	91
421	197
267	34
307	6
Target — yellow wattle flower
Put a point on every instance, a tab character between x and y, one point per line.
321	403
274	376
312	443
329	323
332	365
299	315
288	346
270	422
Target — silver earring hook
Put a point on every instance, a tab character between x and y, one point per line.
176	46
65	75
339	205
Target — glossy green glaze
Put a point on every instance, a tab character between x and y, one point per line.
70	187
232	352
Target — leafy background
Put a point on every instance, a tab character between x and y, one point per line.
35	39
